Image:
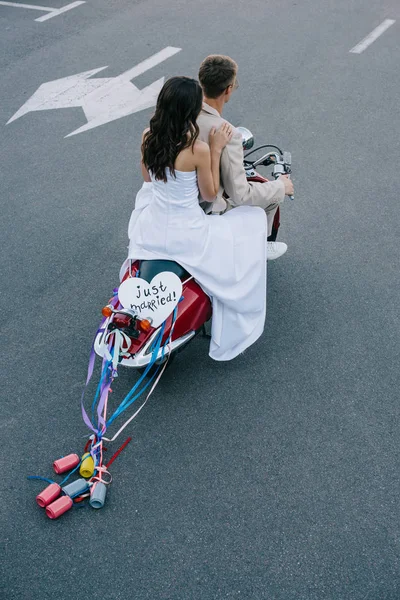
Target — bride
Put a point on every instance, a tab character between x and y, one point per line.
226	254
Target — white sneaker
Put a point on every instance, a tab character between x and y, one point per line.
275	250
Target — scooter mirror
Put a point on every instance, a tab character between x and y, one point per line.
247	138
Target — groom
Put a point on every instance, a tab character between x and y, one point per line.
217	76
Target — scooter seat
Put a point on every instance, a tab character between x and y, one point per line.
150	268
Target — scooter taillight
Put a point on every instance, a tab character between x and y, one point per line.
127	322
121	321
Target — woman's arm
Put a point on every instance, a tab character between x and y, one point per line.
145	173
208	161
206	166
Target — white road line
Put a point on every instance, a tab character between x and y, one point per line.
32	6
52	12
56	12
371	37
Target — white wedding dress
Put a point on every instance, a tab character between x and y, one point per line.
226	254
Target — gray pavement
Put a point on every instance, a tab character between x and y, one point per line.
274	476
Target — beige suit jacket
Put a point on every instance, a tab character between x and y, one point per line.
238	190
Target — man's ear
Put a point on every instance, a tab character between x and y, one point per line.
228	93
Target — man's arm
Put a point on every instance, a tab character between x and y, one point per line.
241	191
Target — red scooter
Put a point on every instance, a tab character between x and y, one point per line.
140	345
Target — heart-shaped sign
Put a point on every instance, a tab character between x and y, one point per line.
154	301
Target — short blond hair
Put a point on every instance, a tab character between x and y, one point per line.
216	73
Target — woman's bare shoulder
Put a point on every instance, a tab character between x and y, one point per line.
201	149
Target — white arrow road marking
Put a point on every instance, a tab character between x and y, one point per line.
53	12
120	100
102	100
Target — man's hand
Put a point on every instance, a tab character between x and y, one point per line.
288	183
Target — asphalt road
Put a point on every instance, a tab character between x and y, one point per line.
274	476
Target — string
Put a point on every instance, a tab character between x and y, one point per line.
40	478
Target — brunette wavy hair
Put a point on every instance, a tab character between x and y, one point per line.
173	126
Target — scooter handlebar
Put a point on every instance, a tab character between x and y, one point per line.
282	168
